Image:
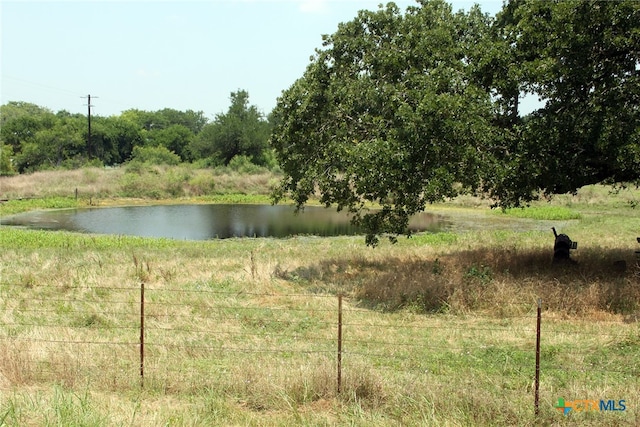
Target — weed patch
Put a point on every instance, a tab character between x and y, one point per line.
555	213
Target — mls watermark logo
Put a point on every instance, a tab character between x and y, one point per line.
584	405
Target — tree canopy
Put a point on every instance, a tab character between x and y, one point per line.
404	109
242	131
582	58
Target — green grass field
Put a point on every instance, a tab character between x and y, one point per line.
438	329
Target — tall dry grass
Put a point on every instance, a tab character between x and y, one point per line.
97	182
135	181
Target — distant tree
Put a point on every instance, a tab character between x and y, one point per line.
20	121
37	138
146	120
6	160
13	110
51	146
169	128
175	138
113	139
243	130
155	156
192	120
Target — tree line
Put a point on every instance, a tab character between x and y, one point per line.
34	138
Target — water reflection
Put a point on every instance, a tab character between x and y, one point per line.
203	222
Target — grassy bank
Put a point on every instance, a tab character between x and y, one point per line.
138	183
438	329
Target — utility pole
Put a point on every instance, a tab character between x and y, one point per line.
89	124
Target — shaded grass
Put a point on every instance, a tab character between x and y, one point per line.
480	280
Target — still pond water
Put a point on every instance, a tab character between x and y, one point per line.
203	222
219	221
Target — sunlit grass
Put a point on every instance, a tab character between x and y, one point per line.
438	329
558	213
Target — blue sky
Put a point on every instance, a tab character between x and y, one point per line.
152	55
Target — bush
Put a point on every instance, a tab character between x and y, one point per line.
155	156
6	161
201	184
79	162
243	164
175	180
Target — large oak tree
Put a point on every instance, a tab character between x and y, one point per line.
386	113
402	109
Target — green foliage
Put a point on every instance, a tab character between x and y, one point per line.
581	58
155	156
19	122
201	184
6	161
241	131
243	164
43	140
113	138
479	273
386	114
401	110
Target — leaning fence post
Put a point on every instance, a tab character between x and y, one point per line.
537	380
339	343
142	334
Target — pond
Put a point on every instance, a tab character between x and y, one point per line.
203	222
220	221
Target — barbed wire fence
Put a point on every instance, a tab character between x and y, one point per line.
171	338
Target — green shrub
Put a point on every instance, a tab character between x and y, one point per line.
155	156
141	186
6	160
243	164
201	184
175	181
79	162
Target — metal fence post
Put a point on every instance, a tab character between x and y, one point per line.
339	343
142	334
537	380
